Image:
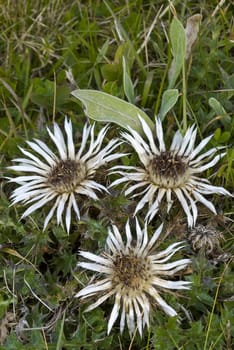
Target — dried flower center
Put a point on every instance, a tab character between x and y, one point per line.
66	175
204	238
130	272
168	170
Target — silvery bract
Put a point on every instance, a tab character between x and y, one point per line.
60	177
134	275
172	173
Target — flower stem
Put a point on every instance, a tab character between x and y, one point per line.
184	97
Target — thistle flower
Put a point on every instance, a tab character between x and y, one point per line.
134	275
171	173
204	238
60	178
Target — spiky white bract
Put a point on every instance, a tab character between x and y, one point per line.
172	173
60	177
134	275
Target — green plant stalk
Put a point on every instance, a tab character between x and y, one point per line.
184	97
59	342
213	307
55	93
212	347
173	341
160	92
148	341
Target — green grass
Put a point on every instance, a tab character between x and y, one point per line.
39	42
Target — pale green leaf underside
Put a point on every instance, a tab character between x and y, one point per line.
178	43
169	99
101	106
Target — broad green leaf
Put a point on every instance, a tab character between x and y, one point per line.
219	111
106	108
169	99
127	83
216	106
222	137
217	134
225	137
178	45
111	71
43	93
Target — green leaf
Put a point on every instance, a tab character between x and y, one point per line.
169	99
111	72
61	334
225	137
178	44
222	137
216	106
43	93
147	87
219	111
127	83
106	108
217	134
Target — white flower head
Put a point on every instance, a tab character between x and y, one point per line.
134	275
172	173
60	177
